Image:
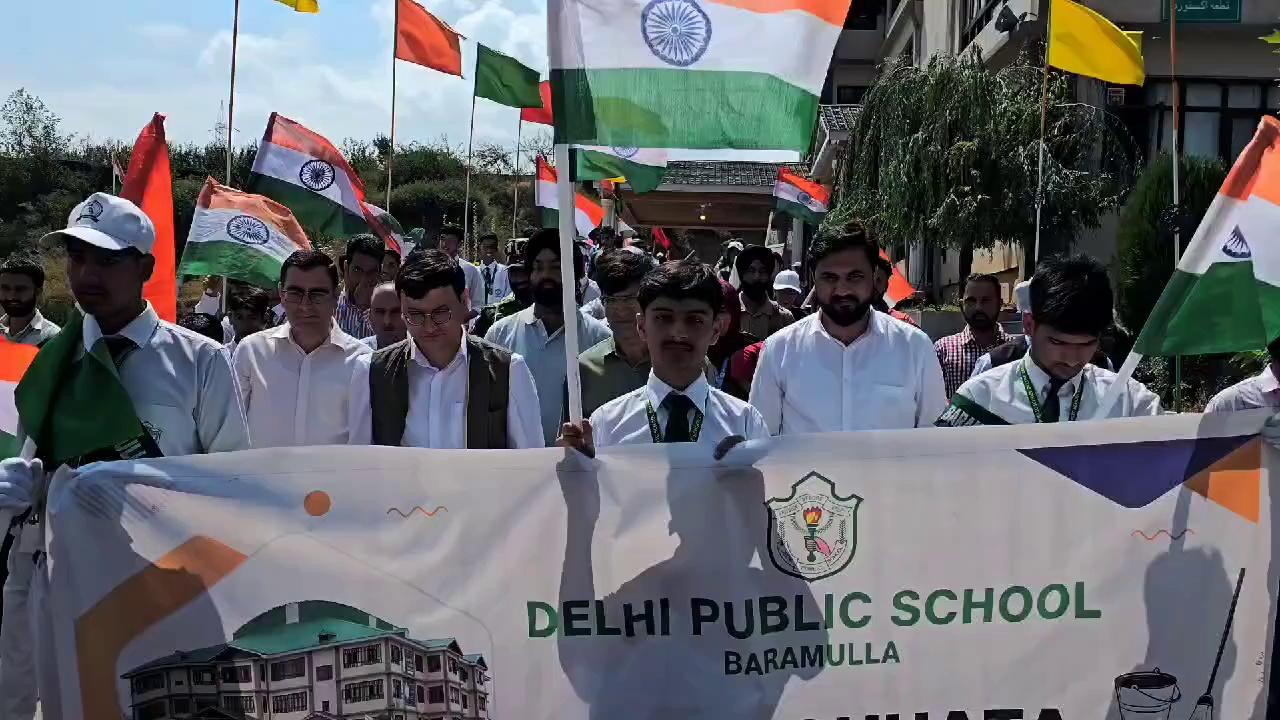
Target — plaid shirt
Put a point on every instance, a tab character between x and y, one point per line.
352	320
960	352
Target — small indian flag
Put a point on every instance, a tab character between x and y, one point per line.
241	236
899	288
589	214
641	168
801	198
1224	295
304	172
14	360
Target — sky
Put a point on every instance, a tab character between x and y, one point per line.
105	67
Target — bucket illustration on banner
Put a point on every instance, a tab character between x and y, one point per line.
1147	694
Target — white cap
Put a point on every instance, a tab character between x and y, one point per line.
787	280
108	222
1022	296
735	245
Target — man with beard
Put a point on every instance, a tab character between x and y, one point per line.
537	333
21	285
980	306
845	367
761	315
520	298
1055	381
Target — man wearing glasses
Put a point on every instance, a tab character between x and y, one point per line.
295	379
443	388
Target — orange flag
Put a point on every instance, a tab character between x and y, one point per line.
542	115
423	39
149	185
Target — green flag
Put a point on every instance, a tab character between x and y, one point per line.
504	80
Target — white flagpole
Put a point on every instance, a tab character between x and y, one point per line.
466	204
515	180
569	280
391	150
768	225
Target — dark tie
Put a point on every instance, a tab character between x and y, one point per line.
119	347
678	407
1052	407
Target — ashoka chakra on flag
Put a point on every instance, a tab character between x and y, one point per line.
248	230
317	175
677	31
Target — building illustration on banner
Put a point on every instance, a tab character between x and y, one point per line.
314	660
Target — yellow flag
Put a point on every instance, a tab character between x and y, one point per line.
1085	43
306	6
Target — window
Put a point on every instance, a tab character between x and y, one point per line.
367	655
462	674
464	702
203	676
417	662
238	703
453	666
1218	116
324	705
850	94
480	702
453	695
324	672
180	706
362	691
293	702
422	700
397	689
237	674
435	694
395	654
179	683
288	669
433	663
148	683
152	711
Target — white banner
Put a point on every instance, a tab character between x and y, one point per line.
1081	570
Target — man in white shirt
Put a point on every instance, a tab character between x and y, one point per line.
296	379
846	367
21	286
442	388
492	273
680	305
1260	391
384	315
451	238
537	332
180	386
1054	382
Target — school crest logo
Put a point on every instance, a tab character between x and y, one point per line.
91	211
813	532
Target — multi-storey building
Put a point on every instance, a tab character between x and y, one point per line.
315	660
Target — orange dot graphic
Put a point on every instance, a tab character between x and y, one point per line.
317	503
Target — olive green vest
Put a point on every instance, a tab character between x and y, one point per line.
488	383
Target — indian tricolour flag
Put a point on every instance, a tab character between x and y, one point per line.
1224	295
641	168
14	360
800	197
690	73
303	171
588	213
240	236
899	288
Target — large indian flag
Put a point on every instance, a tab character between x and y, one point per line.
1224	295
14	360
800	197
303	171
240	236
690	73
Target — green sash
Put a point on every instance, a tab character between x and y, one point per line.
963	412
75	408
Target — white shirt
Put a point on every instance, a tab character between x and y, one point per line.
1001	391
625	420
808	381
984	362
590	292
293	398
475	284
499	288
209	304
595	309
36	332
1262	391
438	404
181	386
525	335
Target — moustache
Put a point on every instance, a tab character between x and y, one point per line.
673	345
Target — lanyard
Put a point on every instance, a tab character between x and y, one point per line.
656	432
1034	396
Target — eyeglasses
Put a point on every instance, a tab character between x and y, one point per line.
298	295
439	316
621	299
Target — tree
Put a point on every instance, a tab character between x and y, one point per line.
947	155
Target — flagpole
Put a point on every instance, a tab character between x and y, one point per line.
1177	216
1044	127
568	280
466	204
515	180
391	149
231	100
768	225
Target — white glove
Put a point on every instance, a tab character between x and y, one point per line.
18	481
1271	431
